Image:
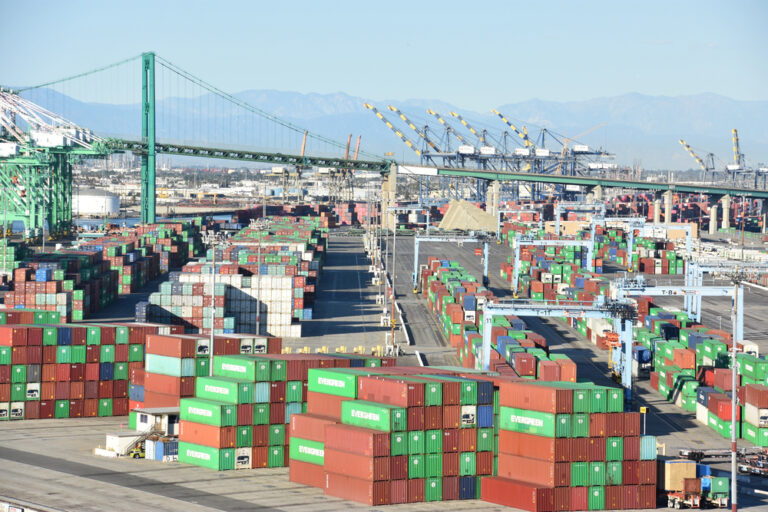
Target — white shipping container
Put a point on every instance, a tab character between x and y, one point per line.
542	152
755	416
522	152
580	148
702	413
487	150
466	150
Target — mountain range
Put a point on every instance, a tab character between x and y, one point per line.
637	128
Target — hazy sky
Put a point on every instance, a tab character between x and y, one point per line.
477	55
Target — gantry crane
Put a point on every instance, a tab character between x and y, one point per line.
738	156
400	134
521	240
569	139
420	133
479	238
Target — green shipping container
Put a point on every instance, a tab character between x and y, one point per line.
305	450
581	400
5	355
223	389
563	425
580	425
19	393
614	448
416	467
433	465
615	400
240	367
244	436
613	474
261	414
527	422
18	374
579	474
361	413
433	489
170	366
433	441
206	456
596	499
415	442
201	367
209	412
62	409
597	473
485	439
467	464
598	400
105	407
277	435
136	353
294	391
107	353
122	371
64	354
398	444
333	382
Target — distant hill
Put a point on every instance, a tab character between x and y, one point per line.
638	128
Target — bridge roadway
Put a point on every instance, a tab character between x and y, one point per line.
384	167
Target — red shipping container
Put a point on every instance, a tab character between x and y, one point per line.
47	391
631	448
77	408
34	355
137	376
5	374
647	496
311	427
77	372
92	371
306	474
630	497
484	463
121	353
597	427
450	464
62	390
91	389
47	409
260	458
684	358
525	365
537	447
62	372
76	391
579	498
19	355
562	498
537	472
92	353
152	399
433	418
535	397
549	371
450	488
120	406
632	424
260	435
49	354
415	418
450	440
720	405
106	388
614	424
646	472
277	392
32	410
723	379
467	439
363	441
325	405
567	370
178	347
179	386
398	467
512	493
596	449
416	490
366	467
245	414
207	435
91	408
757	395
120	390
451	416
630	472
613	497
355	489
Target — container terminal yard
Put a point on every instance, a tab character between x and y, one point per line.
534	330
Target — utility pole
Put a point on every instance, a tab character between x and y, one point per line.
214	241
734	368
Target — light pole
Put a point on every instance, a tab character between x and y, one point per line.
214	240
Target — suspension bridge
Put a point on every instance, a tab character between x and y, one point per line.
47	128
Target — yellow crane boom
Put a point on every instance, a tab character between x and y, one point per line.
693	154
523	135
738	158
469	127
414	128
447	126
392	127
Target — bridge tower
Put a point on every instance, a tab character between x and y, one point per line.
148	138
